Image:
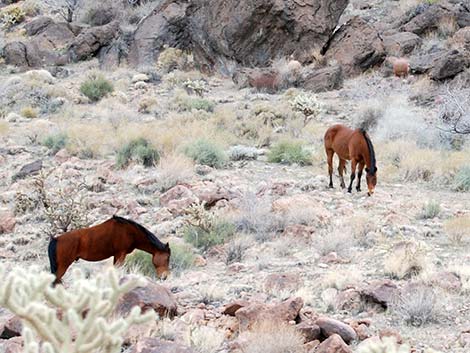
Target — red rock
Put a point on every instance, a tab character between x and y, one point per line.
7	222
447	280
363	332
330	327
194	316
62	155
391	333
177	199
155	345
231	308
151	296
282	281
283	312
380	292
310	331
298	231
310	347
211	193
334	344
349	299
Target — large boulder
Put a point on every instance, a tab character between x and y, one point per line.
461	39
150	296
255	313
250	32
321	79
330	326
431	17
380	292
402	43
334	344
356	46
449	65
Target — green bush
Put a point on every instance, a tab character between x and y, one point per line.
96	87
141	261
139	150
288	152
55	142
430	210
207	153
189	103
204	239
462	179
182	258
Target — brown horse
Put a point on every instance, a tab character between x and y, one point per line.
116	237
354	145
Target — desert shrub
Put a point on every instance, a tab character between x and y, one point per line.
96	87
139	150
273	337
340	242
430	210
369	115
198	87
462	179
204	339
173	170
218	233
341	280
238	153
182	257
207	153
289	152
141	261
29	112
417	305
67	9
254	216
458	229
185	103
288	71
55	142
41	309
235	251
406	259
383	345
307	104
12	15
171	59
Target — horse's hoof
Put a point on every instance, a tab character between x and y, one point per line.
358	189
330	186
349	190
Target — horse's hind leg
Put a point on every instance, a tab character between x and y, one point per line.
359	175
61	269
119	259
353	173
329	154
341	169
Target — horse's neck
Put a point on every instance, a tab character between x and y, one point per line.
145	245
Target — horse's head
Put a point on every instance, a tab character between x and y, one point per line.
371	178
161	261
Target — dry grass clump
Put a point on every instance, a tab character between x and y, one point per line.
342	280
384	345
430	210
363	228
406	259
369	114
273	337
447	26
212	293
457	229
29	112
235	250
173	59
417	305
204	339
172	170
339	241
463	272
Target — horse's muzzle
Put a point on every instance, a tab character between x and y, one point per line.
371	192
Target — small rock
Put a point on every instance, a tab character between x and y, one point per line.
203	169
391	333
330	327
140	85
13	117
140	77
310	331
199	261
231	308
334	344
11	328
7	222
282	281
29	169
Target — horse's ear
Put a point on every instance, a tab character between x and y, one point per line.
167	246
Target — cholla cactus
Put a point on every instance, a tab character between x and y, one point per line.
198	216
385	345
77	320
196	86
12	16
307	104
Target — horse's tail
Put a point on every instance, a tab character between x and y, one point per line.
52	252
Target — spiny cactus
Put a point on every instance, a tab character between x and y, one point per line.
77	320
385	345
307	104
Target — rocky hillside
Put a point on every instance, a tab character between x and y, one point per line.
204	122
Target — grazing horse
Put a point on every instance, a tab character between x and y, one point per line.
116	237
354	145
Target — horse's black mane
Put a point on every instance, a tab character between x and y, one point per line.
150	236
373	166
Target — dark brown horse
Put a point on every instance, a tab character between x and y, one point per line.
116	237
354	145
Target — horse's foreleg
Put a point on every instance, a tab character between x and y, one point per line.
330	154
119	259
341	169
353	174
359	175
